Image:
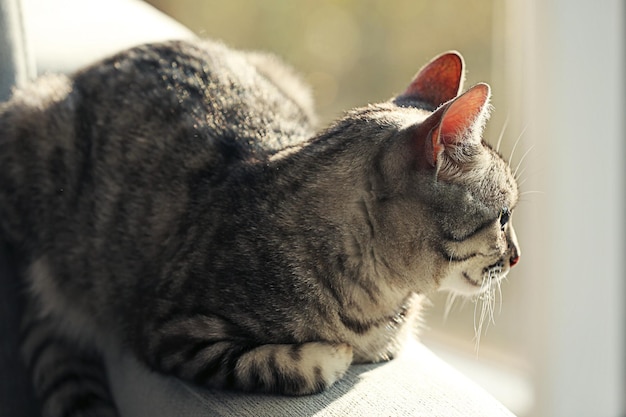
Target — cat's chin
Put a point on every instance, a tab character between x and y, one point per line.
462	283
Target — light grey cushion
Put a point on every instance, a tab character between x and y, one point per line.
417	383
64	35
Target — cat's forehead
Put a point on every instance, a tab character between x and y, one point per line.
500	182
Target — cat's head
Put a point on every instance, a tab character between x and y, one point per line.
441	199
474	190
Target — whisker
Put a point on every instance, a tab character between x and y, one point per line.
484	314
490	295
500	295
477	328
516	143
492	298
521	183
518	178
449	304
521	160
526	176
452	253
504	126
489	299
531	192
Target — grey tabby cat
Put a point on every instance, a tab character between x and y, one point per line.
176	201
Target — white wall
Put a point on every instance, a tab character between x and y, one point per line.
567	66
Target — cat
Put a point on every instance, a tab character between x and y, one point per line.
177	201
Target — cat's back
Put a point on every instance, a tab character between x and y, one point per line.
218	94
137	128
172	94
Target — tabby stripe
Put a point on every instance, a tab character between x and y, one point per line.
355	326
176	343
269	372
183	353
372	290
288	382
480	228
231	363
75	379
361	327
82	402
295	352
225	360
451	258
256	382
259	377
368	218
320	382
176	314
331	285
35	355
213	366
173	343
368	286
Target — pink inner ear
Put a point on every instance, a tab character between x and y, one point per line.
454	120
439	81
462	114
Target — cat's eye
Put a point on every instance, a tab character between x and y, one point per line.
505	215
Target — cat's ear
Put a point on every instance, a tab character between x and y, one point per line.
459	122
438	81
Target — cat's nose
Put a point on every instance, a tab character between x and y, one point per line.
514	259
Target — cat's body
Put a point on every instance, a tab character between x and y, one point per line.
176	201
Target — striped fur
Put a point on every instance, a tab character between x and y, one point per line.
174	201
68	381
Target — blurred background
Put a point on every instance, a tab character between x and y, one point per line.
351	52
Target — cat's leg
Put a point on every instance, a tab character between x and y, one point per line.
292	369
68	382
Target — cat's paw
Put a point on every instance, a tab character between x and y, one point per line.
302	369
328	362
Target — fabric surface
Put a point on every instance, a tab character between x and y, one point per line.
417	383
15	65
68	34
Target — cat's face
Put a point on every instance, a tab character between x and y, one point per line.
474	191
483	247
449	195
